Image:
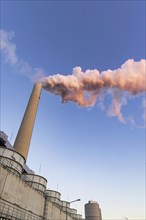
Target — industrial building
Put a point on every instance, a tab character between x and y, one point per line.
23	194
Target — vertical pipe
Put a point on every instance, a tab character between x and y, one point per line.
23	138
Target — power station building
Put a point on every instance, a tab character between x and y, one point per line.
23	194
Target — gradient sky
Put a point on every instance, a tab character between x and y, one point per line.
83	152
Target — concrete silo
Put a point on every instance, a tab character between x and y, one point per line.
92	211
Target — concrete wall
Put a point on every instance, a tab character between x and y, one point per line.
54	212
16	191
21	201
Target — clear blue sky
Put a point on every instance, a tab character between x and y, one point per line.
82	152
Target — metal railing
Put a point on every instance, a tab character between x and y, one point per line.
9	165
9	211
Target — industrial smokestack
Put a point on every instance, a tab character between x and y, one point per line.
23	138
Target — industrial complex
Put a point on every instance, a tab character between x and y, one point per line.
23	194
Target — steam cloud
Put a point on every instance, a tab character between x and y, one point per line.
85	87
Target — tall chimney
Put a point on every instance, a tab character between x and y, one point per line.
23	138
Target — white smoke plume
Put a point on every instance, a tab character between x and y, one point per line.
85	87
8	48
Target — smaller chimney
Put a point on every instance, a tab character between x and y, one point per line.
23	138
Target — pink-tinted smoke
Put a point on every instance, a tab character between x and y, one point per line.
85	87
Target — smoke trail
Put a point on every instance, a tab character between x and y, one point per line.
85	87
8	48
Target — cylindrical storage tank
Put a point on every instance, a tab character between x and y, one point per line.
12	160
79	217
37	182
75	216
73	212
65	206
53	196
92	211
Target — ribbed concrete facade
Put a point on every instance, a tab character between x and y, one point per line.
19	200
